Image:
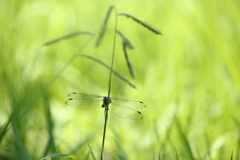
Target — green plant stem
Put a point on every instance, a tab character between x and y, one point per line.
113	55
109	88
104	129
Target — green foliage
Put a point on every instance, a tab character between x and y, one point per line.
61	155
190	74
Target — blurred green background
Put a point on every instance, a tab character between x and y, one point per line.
189	78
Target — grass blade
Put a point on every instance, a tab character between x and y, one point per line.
92	154
67	36
50	146
198	153
184	139
102	31
167	138
127	44
61	155
129	64
151	28
159	156
114	71
177	157
82	143
4	129
20	149
238	137
238	146
231	158
120	153
208	147
125	40
87	156
153	155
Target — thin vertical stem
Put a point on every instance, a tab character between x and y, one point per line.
104	129
109	88
113	55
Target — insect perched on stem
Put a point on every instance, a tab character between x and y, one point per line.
119	107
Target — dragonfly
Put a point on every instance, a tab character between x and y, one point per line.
119	107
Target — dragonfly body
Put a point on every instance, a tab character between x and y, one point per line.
120	107
106	102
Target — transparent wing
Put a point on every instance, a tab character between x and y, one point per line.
83	95
84	101
119	107
129	103
126	108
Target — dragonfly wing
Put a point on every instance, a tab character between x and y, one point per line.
125	112
129	103
84	101
119	107
83	95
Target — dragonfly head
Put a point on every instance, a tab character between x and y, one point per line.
106	101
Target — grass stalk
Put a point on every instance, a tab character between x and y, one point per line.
104	130
109	88
113	55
